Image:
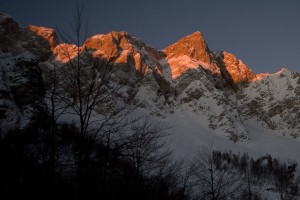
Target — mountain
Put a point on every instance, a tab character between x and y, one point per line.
185	83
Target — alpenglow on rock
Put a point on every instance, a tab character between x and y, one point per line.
184	77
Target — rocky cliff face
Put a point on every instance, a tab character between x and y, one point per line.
121	48
233	70
188	53
185	77
273	100
40	41
10	33
21	84
193	46
15	40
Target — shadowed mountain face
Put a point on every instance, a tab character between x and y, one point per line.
10	33
185	76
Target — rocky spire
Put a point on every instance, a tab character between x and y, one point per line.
193	46
190	52
233	70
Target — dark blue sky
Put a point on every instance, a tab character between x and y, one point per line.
265	34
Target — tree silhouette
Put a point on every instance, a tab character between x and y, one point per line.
214	180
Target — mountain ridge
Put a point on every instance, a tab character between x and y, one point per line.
185	76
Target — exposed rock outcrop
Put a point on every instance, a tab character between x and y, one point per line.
233	70
40	40
190	52
193	46
48	34
10	33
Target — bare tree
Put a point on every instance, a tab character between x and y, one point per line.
89	94
89	85
55	105
146	147
184	182
286	183
214	180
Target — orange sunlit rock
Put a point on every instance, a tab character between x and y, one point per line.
263	75
138	62
181	64
260	76
48	34
238	72
192	45
103	46
118	47
65	52
237	69
189	52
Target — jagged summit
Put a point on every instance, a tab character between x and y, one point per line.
110	45
185	77
190	52
193	46
233	69
48	34
282	70
122	48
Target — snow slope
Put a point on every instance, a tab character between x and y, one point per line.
190	133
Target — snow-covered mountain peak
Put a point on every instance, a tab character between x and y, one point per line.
185	77
122	48
193	46
190	52
282	70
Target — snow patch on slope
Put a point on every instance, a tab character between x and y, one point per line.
191	132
